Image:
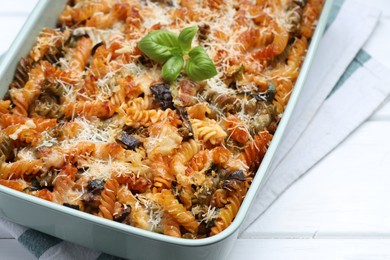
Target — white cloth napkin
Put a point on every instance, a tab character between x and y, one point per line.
319	123
317	126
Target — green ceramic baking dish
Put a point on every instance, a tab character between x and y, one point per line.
109	236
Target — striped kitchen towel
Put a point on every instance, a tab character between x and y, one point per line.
342	70
344	87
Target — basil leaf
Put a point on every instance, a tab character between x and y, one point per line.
172	68
186	36
200	66
160	45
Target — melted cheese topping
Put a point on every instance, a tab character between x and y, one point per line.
191	151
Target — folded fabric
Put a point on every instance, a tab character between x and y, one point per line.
311	122
319	123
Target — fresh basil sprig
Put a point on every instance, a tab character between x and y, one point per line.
186	36
167	47
199	66
172	68
160	45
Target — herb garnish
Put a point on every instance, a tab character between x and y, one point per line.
167	47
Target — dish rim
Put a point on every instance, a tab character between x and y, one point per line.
9	56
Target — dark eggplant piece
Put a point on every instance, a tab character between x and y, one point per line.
237	175
35	185
186	132
167	2
162	93
233	180
129	141
140	131
213	167
91	202
126	210
228	103
301	3
204	31
267	96
145	61
96	185
270	93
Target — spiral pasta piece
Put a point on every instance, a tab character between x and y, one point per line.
295	58
52	157
208	131
283	92
162	175
133	181
229	211
255	151
79	152
141	103
198	111
138	118
236	129
107	202
184	154
62	185
103	21
83	11
278	45
23	98
139	215
89	109
19	169
177	211
226	215
311	12
49	42
27	135
18	185
81	55
129	90
220	155
170	226
39	124
219	198
198	162
68	131
4	106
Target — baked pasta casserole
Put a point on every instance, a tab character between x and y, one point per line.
153	113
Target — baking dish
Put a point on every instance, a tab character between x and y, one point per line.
108	236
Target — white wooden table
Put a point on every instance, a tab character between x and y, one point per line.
339	210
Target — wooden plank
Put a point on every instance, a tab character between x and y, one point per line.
380	39
269	249
376	46
344	195
298	249
10	249
383	113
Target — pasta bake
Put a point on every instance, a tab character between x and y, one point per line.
153	113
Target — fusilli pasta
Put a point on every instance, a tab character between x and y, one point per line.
90	123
